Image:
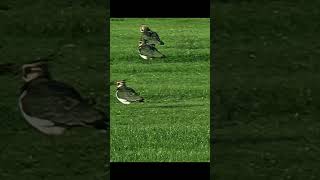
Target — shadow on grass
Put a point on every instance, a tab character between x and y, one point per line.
175	106
185	58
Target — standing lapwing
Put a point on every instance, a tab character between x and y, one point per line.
127	95
51	106
147	51
150	36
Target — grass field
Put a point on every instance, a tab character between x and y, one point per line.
266	74
173	122
32	29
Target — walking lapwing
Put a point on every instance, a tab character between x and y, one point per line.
51	106
147	51
127	95
150	36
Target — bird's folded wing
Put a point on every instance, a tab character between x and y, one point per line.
155	36
151	37
154	52
129	94
63	89
61	104
151	51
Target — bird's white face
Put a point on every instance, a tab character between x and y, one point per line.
120	84
31	77
31	71
143	28
140	43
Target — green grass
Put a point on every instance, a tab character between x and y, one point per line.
265	88
33	29
172	125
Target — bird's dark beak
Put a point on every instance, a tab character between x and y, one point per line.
8	68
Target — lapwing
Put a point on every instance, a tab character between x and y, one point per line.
127	95
51	106
147	51
150	36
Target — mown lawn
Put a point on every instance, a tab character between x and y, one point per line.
172	125
266	91
32	29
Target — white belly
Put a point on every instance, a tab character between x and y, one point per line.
143	56
124	101
42	125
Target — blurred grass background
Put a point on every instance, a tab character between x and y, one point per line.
265	91
32	29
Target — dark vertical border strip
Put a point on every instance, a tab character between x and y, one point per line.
212	76
163	8
107	81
